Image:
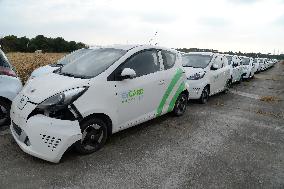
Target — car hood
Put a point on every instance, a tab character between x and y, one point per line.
46	86
190	71
44	70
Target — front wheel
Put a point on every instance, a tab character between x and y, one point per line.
180	105
94	135
4	112
204	96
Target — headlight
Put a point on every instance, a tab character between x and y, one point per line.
196	76
62	100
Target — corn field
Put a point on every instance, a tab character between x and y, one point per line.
25	63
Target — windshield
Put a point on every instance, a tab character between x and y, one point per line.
229	59
261	61
4	62
245	61
73	56
93	63
196	60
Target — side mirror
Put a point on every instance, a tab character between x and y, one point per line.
127	73
214	66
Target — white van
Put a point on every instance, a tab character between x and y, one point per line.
207	74
236	69
108	90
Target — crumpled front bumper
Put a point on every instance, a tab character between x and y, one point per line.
44	137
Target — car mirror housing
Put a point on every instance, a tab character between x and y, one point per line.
214	66
127	73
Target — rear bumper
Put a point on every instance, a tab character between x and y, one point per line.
44	137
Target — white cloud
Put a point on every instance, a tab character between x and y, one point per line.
245	25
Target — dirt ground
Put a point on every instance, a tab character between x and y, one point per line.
234	141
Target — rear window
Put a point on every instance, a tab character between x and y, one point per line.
4	62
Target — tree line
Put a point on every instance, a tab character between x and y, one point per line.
13	43
254	55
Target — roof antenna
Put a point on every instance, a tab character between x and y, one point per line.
152	39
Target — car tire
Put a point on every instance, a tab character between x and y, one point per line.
180	105
227	86
204	95
5	107
94	135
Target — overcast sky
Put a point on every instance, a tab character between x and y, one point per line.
245	25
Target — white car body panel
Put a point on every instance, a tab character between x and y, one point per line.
127	103
236	69
248	70
10	87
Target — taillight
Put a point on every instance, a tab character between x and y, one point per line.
7	71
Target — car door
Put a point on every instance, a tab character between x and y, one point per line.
223	73
138	98
215	76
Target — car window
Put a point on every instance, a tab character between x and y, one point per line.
73	56
196	60
4	62
92	64
169	59
245	61
143	63
229	59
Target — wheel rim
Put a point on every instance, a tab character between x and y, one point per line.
205	95
92	137
3	115
181	104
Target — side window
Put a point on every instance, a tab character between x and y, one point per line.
143	63
169	59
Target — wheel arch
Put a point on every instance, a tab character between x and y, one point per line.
103	117
5	99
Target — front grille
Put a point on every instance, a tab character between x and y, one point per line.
17	129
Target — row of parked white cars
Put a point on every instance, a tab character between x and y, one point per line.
92	93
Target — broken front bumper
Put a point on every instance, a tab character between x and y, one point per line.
44	137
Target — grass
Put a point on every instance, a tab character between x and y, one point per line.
269	99
26	63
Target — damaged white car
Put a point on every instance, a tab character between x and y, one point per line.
108	90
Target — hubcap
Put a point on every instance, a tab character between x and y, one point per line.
181	105
92	136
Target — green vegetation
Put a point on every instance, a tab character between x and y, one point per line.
12	43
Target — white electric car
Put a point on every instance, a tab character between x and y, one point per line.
236	69
10	86
108	90
248	68
255	64
262	64
207	74
62	62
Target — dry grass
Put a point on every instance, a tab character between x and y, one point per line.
269	99
25	63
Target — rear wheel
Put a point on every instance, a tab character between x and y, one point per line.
4	112
180	105
204	96
94	135
227	86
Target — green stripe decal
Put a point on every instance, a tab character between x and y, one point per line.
175	79
173	101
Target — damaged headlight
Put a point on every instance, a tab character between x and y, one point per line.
63	99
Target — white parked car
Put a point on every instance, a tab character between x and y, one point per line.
248	68
207	74
62	62
262	64
10	86
255	64
108	90
236	70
